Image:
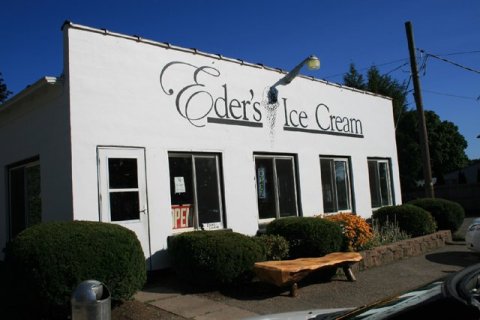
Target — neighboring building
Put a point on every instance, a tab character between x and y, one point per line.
468	175
162	140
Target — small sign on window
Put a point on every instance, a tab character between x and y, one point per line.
262	183
179	185
212	226
181	216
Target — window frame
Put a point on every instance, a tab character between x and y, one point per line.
221	192
349	181
24	164
377	176
295	184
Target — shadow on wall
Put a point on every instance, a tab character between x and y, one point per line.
158	260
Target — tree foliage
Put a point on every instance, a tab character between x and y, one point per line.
447	145
4	92
380	84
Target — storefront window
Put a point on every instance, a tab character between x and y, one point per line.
276	186
195	191
380	182
25	202
335	184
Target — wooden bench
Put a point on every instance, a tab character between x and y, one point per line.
290	272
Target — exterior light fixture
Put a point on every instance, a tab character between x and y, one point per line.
312	62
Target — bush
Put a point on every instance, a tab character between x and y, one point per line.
449	215
213	258
385	234
412	219
308	237
356	231
49	260
275	247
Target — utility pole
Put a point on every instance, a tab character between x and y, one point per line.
422	128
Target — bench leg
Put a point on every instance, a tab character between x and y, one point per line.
294	290
349	273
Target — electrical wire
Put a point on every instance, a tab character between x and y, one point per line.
451	95
449	61
366	68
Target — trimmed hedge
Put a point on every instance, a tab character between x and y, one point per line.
449	215
411	219
49	260
214	258
308	236
276	247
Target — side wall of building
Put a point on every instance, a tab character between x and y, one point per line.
37	125
129	93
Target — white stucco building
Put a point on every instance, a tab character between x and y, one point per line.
162	139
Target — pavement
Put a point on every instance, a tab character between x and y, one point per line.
168	293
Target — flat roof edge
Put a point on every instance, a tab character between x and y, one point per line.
167	45
42	82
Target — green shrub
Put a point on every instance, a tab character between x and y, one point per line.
214	258
275	247
412	219
49	260
385	234
308	237
449	215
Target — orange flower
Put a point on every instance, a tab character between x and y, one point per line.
356	230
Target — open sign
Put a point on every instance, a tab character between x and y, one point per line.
181	215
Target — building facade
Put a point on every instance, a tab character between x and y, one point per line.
163	140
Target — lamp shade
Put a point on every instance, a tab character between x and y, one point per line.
313	63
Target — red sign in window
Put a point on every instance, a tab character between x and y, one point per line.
181	216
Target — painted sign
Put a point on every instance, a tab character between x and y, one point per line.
181	216
200	102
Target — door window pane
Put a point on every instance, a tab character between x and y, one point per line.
124	206
276	186
122	173
336	187
123	189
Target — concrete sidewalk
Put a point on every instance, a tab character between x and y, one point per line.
374	284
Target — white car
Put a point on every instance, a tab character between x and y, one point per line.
472	237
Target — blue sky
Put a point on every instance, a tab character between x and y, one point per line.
275	33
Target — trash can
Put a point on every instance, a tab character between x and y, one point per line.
91	301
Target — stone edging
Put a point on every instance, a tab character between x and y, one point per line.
403	249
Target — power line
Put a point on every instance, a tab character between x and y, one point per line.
366	68
452	95
422	67
451	62
459	53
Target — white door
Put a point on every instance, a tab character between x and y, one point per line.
122	190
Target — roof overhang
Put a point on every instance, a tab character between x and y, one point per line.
28	91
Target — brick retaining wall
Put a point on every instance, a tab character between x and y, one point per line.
402	249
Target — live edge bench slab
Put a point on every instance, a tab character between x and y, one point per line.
290	272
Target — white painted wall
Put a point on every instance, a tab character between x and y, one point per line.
38	125
117	100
